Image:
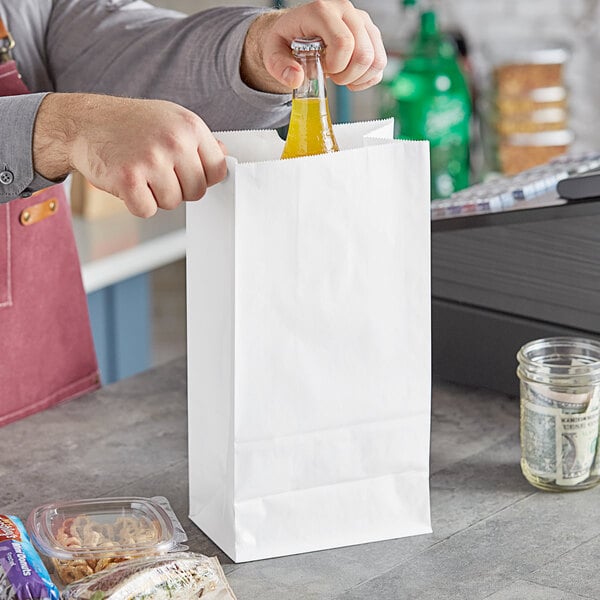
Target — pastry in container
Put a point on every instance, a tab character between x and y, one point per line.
508	106
523	151
526	66
534	121
526	109
81	537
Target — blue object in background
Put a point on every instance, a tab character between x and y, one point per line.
121	321
343	104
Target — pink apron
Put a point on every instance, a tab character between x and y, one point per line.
46	348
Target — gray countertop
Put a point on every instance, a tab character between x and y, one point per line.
494	536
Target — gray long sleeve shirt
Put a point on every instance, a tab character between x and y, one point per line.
127	48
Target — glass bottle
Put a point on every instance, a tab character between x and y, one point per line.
310	131
560	412
433	103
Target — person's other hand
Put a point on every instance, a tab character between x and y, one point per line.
354	56
149	153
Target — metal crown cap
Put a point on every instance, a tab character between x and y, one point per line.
313	44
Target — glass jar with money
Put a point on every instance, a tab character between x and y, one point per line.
560	410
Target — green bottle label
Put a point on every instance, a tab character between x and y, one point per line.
445	116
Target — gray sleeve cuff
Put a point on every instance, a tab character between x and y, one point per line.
17	117
276	106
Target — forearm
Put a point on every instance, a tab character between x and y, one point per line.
146	52
54	133
150	153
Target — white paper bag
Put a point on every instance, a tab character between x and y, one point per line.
309	345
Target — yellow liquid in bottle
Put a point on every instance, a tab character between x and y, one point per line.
310	130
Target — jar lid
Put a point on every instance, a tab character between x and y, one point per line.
96	527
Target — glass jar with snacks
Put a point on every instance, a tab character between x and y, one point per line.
83	537
525	109
560	412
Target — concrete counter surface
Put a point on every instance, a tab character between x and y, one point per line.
494	536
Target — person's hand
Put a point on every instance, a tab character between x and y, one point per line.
149	153
354	56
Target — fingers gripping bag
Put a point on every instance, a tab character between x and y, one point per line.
23	576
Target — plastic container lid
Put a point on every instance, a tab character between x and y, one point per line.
546	115
529	52
561	137
100	527
548	94
539	95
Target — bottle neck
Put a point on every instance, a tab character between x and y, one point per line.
313	85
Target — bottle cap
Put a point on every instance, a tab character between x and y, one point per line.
313	44
429	23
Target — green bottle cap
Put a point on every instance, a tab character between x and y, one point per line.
429	23
409	2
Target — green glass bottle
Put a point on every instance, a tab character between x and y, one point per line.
432	102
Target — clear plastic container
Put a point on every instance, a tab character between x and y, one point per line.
81	537
522	65
525	108
176	576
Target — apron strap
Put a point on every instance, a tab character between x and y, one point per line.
11	83
6	43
